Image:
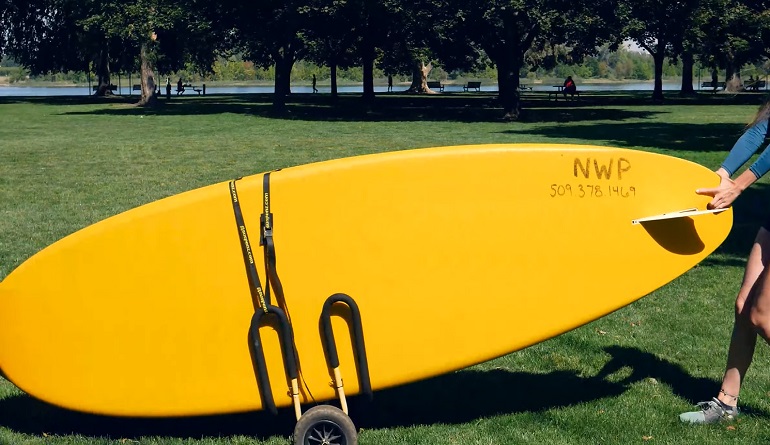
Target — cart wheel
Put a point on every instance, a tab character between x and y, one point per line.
325	425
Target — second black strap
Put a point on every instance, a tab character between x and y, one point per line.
248	255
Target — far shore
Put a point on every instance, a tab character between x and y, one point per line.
5	82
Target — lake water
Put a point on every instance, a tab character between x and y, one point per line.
126	89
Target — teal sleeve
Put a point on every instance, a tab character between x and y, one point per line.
745	147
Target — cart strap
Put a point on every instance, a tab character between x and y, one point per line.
248	254
267	222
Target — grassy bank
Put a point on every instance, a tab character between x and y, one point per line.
71	161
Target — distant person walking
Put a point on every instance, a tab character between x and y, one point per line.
168	88
179	87
315	90
390	83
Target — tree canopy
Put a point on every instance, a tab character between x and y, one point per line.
158	37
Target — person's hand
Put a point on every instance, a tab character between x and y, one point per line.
723	195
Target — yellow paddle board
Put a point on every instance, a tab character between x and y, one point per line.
453	255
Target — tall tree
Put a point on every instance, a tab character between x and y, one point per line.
330	41
660	28
373	27
271	32
507	29
180	27
108	36
733	36
45	36
416	32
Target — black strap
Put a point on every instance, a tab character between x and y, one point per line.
267	216
267	222
248	255
288	348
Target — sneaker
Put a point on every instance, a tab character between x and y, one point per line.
712	411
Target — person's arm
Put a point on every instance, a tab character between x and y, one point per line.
745	147
728	190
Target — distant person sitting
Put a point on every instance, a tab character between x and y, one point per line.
179	87
569	87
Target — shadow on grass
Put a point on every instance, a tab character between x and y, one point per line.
465	107
448	108
454	398
468	395
452	107
644	365
670	136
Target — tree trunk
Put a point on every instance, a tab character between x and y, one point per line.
508	86
333	71
733	82
657	92
687	74
103	73
420	77
148	98
284	61
368	76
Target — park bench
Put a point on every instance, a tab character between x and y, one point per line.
710	84
435	85
472	85
112	88
138	87
756	85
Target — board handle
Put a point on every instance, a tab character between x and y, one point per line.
358	345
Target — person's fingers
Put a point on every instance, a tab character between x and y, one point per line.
707	191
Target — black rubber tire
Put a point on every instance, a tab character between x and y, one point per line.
325	425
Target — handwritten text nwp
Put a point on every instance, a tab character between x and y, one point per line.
596	178
601	169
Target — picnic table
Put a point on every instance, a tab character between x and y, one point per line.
559	91
195	88
555	94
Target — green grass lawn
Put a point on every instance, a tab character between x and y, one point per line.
71	161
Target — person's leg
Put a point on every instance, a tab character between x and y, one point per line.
753	295
752	316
